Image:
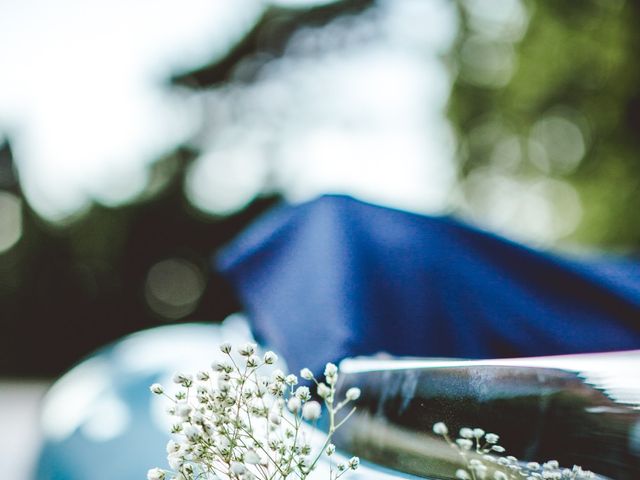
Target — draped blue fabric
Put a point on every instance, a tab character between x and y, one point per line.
337	277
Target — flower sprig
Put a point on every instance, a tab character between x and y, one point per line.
233	422
478	448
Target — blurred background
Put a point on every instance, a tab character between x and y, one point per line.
138	137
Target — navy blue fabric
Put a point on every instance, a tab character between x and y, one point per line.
337	277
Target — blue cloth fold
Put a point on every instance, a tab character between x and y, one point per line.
337	277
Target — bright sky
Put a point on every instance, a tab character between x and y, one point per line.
81	92
83	100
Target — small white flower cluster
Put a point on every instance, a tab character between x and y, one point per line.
234	423
478	448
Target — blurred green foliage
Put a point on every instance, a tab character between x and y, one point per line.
576	61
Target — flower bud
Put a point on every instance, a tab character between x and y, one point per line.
462	475
157	389
275	418
330	370
466	432
440	428
251	457
293	404
311	410
353	394
306	374
464	443
323	390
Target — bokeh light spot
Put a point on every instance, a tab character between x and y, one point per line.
224	182
173	288
563	141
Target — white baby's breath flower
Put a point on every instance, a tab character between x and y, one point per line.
492	438
353	394
504	467
466	432
251	457
330	370
311	410
221	366
225	426
197	418
183	379
293	404
172	446
252	361
464	443
440	428
222	442
323	390
175	461
303	393
275	418
270	358
191	432
331	449
462	475
155	474
247	349
224	385
157	389
183	410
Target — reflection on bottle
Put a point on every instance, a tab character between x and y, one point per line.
579	410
